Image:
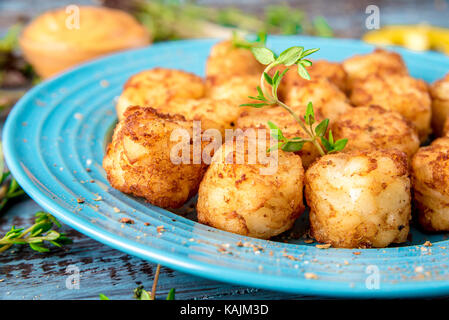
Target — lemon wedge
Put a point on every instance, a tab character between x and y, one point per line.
415	37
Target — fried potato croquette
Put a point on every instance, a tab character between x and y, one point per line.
239	199
378	62
404	94
359	199
138	159
325	96
225	60
213	114
371	128
258	118
332	71
154	88
430	179
439	92
236	88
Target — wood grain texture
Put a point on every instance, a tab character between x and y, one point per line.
25	274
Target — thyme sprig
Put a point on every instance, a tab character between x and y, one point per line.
9	188
36	235
291	56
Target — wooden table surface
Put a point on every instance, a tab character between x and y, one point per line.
25	274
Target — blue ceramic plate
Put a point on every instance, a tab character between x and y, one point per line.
54	141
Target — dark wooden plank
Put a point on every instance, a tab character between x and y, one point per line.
25	274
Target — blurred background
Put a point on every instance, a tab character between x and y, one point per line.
419	25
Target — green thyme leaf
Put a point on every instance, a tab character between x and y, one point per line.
290	56
36	235
309	52
331	137
145	295
321	128
306	63
268	78
276	146
260	96
303	72
293	146
340	144
326	144
254	105
263	55
275	77
171	294
275	131
310	115
38	247
277	82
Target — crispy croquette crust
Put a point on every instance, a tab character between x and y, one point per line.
380	62
332	71
226	61
212	113
374	128
156	87
404	94
327	99
235	88
430	178
439	92
359	199
138	161
237	198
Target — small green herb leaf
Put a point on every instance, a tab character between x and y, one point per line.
309	52
39	248
35	236
268	78
290	56
306	63
276	146
340	144
171	294
103	297
254	105
321	128
303	72
293	146
310	115
331	137
275	131
261	95
145	295
263	55
326	144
